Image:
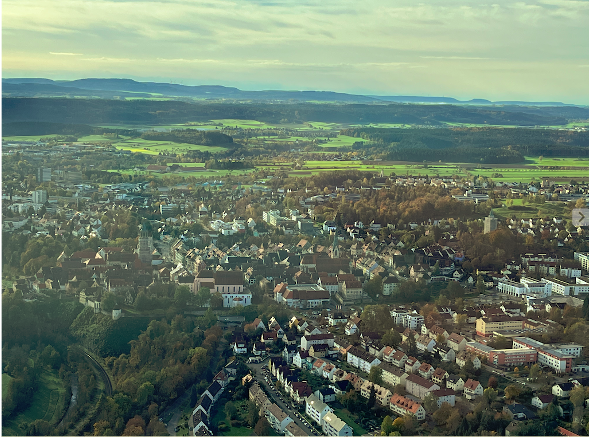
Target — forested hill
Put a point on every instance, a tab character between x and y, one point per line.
98	111
486	145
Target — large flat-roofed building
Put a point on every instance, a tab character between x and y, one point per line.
512	357
582	257
556	356
559	287
44	174
486	326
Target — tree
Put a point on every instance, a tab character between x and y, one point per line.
479	286
535	371
490	395
230	411
182	295
578	395
217	300
387	426
511	392
442	414
263	427
203	296
108	302
430	403
492	382
375	376
252	415
372	398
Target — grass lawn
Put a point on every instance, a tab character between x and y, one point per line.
350	419
48	403
5	381
340	141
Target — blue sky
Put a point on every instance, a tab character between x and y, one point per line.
498	50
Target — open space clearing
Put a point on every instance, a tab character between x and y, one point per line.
548	209
5	381
153	147
48	403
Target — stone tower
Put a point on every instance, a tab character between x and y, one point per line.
490	223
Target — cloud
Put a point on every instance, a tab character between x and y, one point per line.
65	54
454	57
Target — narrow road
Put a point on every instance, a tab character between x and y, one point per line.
176	409
273	396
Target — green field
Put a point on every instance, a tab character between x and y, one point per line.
5	381
341	141
565	162
48	404
27	137
153	147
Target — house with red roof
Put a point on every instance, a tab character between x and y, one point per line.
402	406
472	389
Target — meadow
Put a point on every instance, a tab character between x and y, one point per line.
153	147
48	404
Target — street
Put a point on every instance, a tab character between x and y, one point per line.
275	397
175	409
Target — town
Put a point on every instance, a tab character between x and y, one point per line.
343	304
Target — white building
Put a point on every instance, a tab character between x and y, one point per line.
316	409
334	426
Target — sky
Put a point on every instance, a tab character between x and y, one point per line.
496	50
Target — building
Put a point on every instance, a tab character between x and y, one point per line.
490	223
293	430
392	375
316	409
382	394
334	426
512	357
402	406
487	325
230	284
455	383
444	396
559	357
582	257
361	359
325	338
419	386
559	287
43	174
39	196
562	389
277	418
472	389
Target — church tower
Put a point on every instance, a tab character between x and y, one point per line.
145	246
335	247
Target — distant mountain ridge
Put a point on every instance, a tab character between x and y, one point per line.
113	87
